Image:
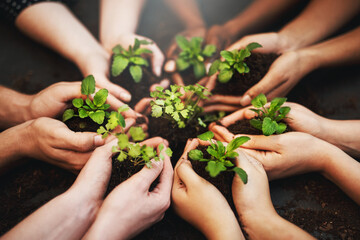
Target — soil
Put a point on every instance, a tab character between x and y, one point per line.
188	76
259	65
77	124
244	127
139	90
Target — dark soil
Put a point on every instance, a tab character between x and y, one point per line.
137	90
77	124
188	76
259	65
223	181
177	137
244	127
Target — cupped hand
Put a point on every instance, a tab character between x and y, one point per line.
53	142
200	203
219	36
130	207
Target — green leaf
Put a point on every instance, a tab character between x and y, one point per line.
90	103
182	64
214	168
276	104
256	124
182	42
241	173
184	113
139	61
281	127
253	45
195	154
259	101
136	73
78	102
229	56
225	75
134	150
136	44
214	67
161	147
236	142
117	49
101	130
201	123
269	126
137	134
169	109
97	116
284	110
83	113
199	69
213	152
123	141
69	113
100	97
88	85
142	51
240	68
227	163
156	111
195	43
209	50
207	136
123	108
231	154
122	156
149	152
118	66
160	102
169	152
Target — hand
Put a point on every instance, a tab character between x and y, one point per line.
200	203
254	206
53	100
219	36
173	50
52	141
130	207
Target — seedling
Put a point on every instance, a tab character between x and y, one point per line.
95	109
193	55
115	119
234	61
220	155
210	117
168	103
137	154
130	58
268	119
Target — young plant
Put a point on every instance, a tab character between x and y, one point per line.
168	103
130	58
95	109
193	55
234	61
268	119
137	154
115	119
220	155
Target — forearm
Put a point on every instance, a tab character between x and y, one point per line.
15	107
319	19
259	14
53	25
62	218
344	171
188	11
118	17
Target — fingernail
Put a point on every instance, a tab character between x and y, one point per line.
138	114
158	163
170	66
158	71
98	140
125	96
244	101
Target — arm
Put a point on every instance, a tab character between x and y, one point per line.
320	19
53	25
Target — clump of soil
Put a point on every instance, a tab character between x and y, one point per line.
259	65
77	124
121	171
244	127
222	182
137	90
177	137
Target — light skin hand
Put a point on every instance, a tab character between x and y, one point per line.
253	203
193	197
131	203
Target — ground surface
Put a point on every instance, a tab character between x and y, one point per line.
309	201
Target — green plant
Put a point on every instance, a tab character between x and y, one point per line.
210	117
95	109
130	58
136	153
115	119
193	55
268	119
168	104
233	61
220	155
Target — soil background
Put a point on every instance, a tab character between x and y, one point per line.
309	200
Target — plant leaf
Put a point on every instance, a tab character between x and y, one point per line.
182	64
195	43
276	104
199	69
225	75
256	124
214	168
100	97
83	113
78	102
236	142
182	42
142	51
214	67
134	150
209	50
68	114
97	116
137	134
281	127
168	152
156	111
259	101
123	141
118	66
195	154
229	56
269	126
207	136
88	85
242	174
122	156
253	45
136	73
139	61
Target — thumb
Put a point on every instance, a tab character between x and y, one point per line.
117	91
170	66
147	176
158	59
79	141
187	175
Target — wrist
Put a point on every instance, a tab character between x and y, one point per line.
88	63
258	225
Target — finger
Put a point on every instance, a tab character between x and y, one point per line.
166	177
143	105
223	133
155	141
220	107
281	91
187	175
129	122
203	81
67	91
164	84
118	92
146	176
177	79
158	59
190	144
170	66
210	85
232	118
171	50
260	142
223	99
218	137
115	104
69	160
248	163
